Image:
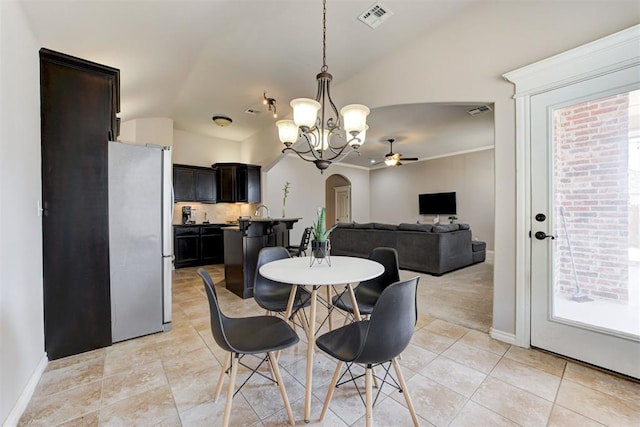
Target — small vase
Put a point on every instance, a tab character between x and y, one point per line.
320	251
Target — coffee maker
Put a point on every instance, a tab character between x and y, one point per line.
186	214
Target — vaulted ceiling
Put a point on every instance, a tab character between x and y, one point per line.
190	60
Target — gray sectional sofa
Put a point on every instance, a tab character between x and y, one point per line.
432	249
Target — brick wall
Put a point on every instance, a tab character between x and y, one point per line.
592	186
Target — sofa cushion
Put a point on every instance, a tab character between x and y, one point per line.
477	246
445	228
464	227
345	225
380	226
364	225
415	227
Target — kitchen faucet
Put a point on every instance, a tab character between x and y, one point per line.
258	210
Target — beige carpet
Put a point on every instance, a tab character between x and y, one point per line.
463	297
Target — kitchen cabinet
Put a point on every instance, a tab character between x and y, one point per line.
211	245
79	100
194	184
184	184
186	246
242	245
197	245
205	185
238	182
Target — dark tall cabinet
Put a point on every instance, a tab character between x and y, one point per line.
79	102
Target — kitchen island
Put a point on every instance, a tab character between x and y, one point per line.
242	244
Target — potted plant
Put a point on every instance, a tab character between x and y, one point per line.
453	219
320	235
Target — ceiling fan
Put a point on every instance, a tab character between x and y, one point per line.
395	159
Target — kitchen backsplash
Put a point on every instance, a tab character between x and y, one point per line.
216	213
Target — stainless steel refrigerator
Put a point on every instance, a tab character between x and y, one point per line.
140	247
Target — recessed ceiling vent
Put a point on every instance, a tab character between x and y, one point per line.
252	111
479	110
375	15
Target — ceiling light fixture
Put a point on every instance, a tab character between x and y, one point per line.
391	160
222	121
318	120
271	103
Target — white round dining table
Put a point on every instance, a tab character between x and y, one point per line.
300	271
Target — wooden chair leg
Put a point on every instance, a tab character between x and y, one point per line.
283	392
305	327
331	389
368	396
230	389
329	306
225	366
375	379
405	392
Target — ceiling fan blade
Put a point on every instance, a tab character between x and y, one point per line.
409	159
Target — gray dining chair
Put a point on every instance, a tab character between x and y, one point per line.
368	292
247	335
373	342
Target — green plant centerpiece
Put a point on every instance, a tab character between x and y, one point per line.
285	193
320	238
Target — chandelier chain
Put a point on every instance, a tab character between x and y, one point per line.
319	122
324	36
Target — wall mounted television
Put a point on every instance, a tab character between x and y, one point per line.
437	203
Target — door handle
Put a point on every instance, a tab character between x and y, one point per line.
541	235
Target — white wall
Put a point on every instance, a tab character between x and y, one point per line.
307	191
463	61
394	195
151	130
21	306
197	150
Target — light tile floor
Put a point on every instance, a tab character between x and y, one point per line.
456	376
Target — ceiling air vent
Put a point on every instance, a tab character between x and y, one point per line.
478	110
375	15
252	111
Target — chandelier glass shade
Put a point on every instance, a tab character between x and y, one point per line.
327	135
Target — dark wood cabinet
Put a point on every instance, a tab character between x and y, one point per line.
238	182
197	245
79	100
211	245
242	246
186	246
205	185
194	184
184	184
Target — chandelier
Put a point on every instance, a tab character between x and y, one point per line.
318	121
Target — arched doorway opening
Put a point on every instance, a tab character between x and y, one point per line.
337	199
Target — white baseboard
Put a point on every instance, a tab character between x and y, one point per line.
27	394
502	336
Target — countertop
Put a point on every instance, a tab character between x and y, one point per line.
219	224
268	219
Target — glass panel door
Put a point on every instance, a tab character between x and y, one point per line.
585	245
596	196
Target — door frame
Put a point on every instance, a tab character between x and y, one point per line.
347	189
609	54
